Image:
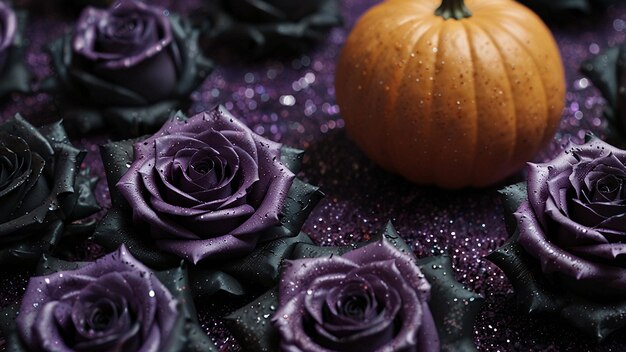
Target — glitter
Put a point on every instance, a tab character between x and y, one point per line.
362	197
581	84
288	100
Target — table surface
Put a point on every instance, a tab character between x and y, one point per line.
291	100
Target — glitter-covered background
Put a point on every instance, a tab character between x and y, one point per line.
292	101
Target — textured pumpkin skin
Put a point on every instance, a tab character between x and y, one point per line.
454	103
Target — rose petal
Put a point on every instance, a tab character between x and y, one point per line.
428	337
614	224
267	213
303	271
147	176
8	28
568	231
45	332
403	261
214	248
585	214
538	176
554	259
557	188
609	252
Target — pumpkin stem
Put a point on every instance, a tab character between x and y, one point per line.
453	9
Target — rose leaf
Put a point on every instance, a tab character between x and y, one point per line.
30	248
596	319
117	228
453	307
15	74
388	233
137	121
252	327
196	67
255	272
513	196
291	158
177	282
534	293
300	201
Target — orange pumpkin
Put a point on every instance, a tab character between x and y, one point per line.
451	95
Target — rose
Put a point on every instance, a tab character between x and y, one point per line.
607	71
40	188
574	220
14	76
8	29
372	295
271	10
207	186
209	190
370	299
133	61
113	304
263	27
130	45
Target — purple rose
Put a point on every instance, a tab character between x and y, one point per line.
574	221
373	298
206	186
8	30
127	68
114	304
129	45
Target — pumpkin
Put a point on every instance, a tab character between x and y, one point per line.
450	93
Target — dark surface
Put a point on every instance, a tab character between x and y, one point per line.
291	100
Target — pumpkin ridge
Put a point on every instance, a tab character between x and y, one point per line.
392	102
509	85
452	126
382	128
368	66
539	74
473	59
516	153
433	109
546	84
421	146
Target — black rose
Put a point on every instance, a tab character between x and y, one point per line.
41	188
262	27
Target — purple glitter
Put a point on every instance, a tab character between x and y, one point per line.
292	101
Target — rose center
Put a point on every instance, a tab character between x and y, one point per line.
103	315
356	301
609	184
125	27
208	168
354	306
204	166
